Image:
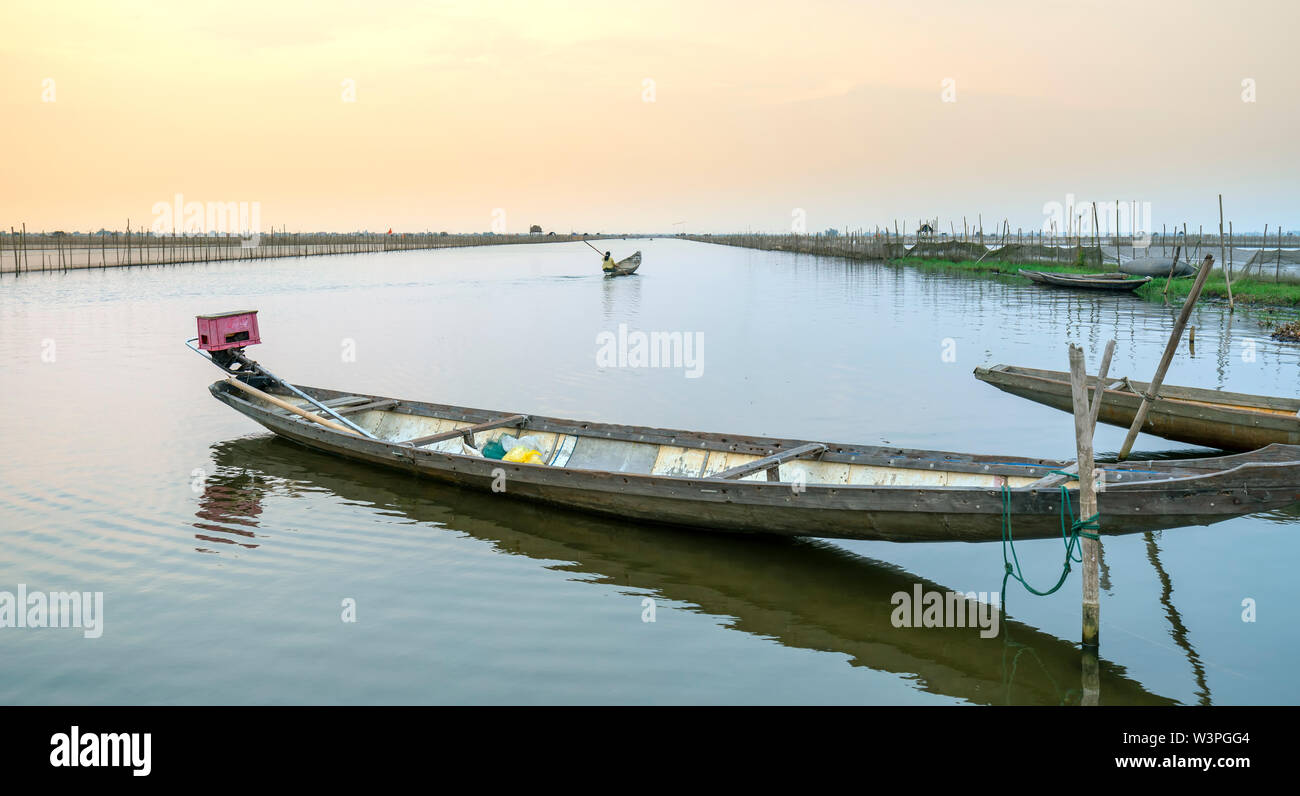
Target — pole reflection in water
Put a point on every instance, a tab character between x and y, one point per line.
1177	629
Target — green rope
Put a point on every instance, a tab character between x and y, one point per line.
1077	528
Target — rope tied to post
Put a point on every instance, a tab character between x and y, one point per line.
1081	528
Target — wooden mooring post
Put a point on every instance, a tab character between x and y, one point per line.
1085	423
1085	420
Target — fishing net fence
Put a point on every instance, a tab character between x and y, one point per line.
1261	265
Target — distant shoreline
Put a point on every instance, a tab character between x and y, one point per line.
47	253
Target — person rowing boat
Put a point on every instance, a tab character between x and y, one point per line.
608	263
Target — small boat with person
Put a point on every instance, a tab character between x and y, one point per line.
625	267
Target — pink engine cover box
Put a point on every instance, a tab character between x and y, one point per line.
228	330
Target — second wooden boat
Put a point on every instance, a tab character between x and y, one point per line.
1110	281
1216	419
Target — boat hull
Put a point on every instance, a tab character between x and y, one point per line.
891	513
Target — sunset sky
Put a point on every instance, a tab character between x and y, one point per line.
544	110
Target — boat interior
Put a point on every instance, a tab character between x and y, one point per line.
652	451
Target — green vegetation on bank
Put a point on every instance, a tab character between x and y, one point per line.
1246	291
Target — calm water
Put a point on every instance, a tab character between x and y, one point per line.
224	555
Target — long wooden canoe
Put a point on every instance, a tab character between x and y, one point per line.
1111	281
770	485
1216	419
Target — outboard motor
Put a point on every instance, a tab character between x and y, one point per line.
225	335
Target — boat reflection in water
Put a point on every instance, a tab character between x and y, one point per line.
800	593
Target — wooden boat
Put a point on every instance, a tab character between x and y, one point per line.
1037	276
1225	420
1110	281
626	267
757	484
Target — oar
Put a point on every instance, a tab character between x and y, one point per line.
593	248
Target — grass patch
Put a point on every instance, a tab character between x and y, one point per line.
996	266
1245	291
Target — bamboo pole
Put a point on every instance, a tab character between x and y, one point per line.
1277	268
1170	347
1132	231
256	393
1083	430
1100	389
1259	266
1227	273
1178	250
1096	239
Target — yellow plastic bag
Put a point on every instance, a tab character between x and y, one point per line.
522	455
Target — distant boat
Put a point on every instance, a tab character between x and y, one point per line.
626	267
1112	281
1216	419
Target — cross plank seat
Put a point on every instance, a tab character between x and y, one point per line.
771	463
468	432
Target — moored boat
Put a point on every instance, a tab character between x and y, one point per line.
1109	281
1216	419
781	486
768	485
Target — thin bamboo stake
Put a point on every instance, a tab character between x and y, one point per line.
1277	268
1227	274
1100	389
1178	249
1154	389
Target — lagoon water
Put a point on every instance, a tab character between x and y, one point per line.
225	556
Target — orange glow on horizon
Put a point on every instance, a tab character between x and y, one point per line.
543	110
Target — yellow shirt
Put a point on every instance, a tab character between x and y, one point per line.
607	264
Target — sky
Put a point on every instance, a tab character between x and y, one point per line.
647	116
